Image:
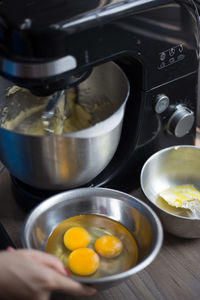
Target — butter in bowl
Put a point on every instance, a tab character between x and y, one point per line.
182	200
170	180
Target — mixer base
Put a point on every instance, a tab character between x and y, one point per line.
28	197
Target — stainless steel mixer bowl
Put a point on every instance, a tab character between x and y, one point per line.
135	215
169	167
65	161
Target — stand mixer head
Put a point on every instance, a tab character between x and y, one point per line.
35	49
51	46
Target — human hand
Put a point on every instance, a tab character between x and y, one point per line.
33	275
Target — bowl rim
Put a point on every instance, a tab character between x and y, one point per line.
177	147
138	267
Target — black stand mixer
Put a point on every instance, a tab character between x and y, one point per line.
46	46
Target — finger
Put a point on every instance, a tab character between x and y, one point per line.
10	249
70	286
49	260
46	259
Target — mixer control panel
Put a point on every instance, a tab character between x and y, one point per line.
171	56
174	104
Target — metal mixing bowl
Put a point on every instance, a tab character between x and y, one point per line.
135	215
169	167
59	162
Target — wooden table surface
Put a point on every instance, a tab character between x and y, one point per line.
174	274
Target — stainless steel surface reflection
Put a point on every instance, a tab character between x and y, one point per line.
136	216
64	161
169	167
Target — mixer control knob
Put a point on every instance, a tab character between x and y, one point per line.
181	121
162	103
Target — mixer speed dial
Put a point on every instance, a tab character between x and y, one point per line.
181	121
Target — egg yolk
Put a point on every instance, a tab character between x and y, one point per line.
83	261
76	237
108	246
